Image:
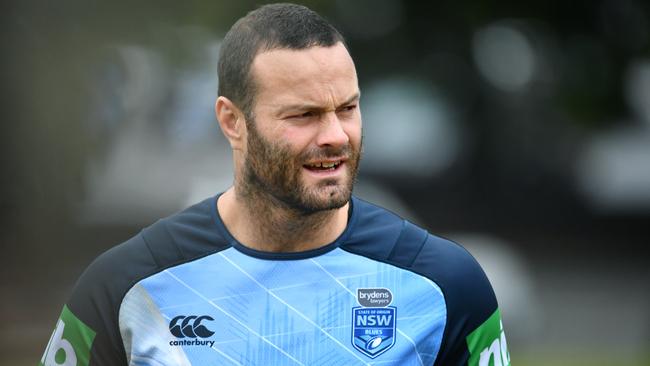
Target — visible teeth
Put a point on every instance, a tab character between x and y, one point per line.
325	165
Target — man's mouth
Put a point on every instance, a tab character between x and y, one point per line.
324	165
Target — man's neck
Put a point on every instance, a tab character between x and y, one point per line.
261	225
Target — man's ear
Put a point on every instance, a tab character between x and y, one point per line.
232	122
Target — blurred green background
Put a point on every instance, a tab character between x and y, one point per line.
520	129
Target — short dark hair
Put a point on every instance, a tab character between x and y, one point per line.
269	27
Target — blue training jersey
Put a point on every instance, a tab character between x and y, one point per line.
185	292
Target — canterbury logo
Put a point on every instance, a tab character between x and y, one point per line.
190	326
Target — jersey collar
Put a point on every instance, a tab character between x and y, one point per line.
352	218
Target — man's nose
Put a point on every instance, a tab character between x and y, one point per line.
331	131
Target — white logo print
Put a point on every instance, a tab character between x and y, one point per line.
498	349
57	343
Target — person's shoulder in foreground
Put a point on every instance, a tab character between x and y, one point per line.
100	323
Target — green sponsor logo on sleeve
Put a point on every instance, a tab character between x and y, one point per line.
487	343
70	342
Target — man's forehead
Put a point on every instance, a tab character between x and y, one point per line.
311	73
285	65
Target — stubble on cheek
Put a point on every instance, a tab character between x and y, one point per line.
274	172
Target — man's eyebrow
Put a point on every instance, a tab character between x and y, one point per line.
308	107
353	98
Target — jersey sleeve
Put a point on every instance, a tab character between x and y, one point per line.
474	332
87	332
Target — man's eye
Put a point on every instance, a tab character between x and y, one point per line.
303	115
348	108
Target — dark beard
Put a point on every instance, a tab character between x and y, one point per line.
273	173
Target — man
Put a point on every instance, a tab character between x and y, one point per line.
285	267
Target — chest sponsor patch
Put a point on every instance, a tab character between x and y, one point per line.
374	322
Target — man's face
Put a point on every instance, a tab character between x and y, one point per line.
304	145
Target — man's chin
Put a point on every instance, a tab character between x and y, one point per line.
328	198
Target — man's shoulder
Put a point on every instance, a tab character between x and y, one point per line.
469	299
95	302
180	237
173	240
386	237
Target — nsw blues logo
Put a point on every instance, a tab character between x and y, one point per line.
374	322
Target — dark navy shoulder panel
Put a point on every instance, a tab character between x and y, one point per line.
383	236
185	236
98	294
